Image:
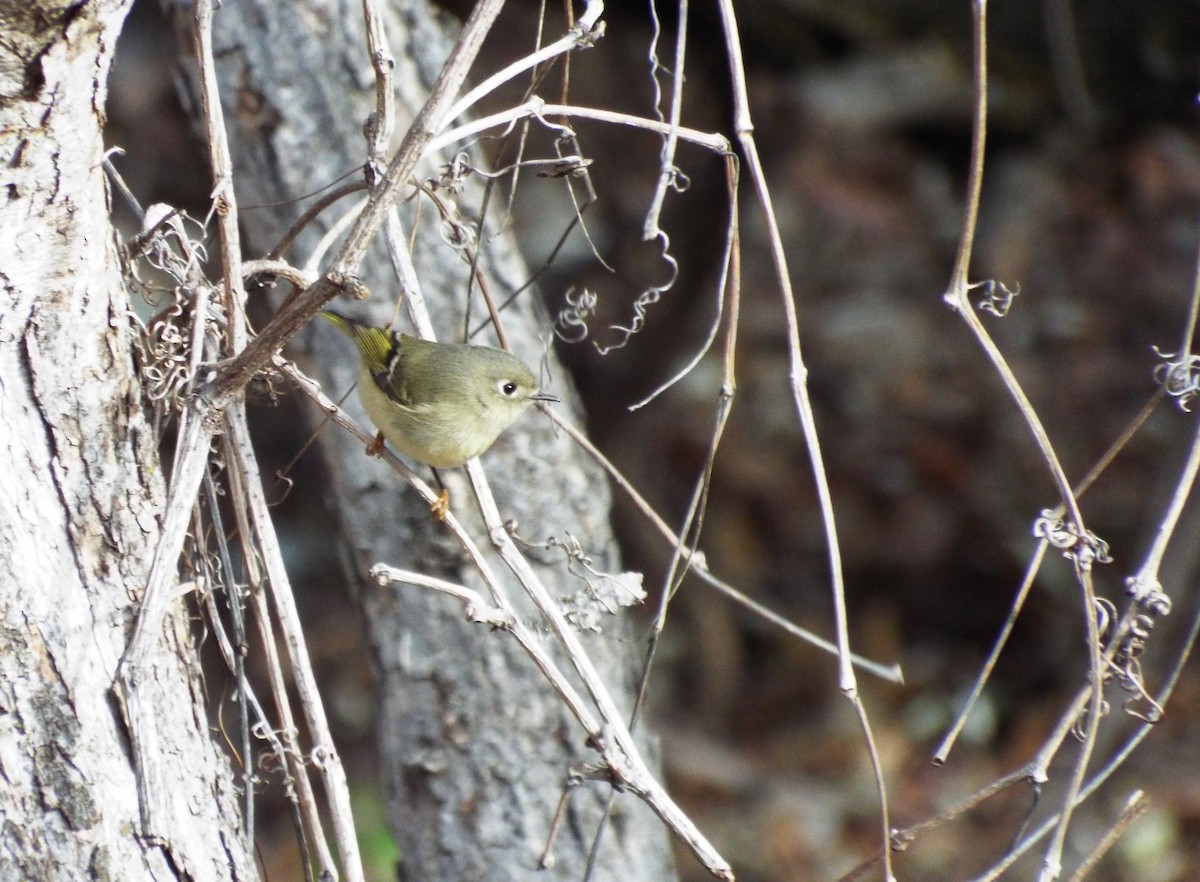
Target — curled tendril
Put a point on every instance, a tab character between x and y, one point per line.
1085	549
1126	666
997	297
1140	630
1149	595
271	758
457	234
1179	376
601	594
677	180
166	351
570	324
646	299
269	761
1151	715
1106	614
454	173
1079	729
166	355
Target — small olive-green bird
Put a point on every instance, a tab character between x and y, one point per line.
438	403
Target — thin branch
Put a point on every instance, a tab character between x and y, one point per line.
582	34
799	384
620	751
501	616
224	198
476	609
1052	862
341	276
1189	328
324	753
698	564
1145	581
1114	763
235	656
1136	806
668	174
310	829
537	108
309	215
902	839
382	124
957	295
687	539
1034	566
621	755
1031	571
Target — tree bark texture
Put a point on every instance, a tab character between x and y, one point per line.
476	746
81	497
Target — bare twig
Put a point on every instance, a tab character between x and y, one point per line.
902	839
668	174
847	682
1136	806
616	744
698	565
583	33
1078	544
382	124
342	273
1114	763
289	753
1031	571
324	755
539	109
687	539
611	737
621	754
477	611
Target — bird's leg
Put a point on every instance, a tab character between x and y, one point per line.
376	447
442	504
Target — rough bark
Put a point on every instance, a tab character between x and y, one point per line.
476	747
79	503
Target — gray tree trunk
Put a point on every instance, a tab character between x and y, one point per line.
476	746
80	499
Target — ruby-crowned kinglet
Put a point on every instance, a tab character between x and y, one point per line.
438	403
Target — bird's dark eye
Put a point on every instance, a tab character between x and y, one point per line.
508	388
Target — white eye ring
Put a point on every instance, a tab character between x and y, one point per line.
508	388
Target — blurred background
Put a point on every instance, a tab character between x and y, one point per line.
862	108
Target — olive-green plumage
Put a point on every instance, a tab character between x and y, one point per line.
438	403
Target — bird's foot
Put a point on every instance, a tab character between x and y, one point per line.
441	505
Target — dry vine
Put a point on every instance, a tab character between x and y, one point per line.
201	357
